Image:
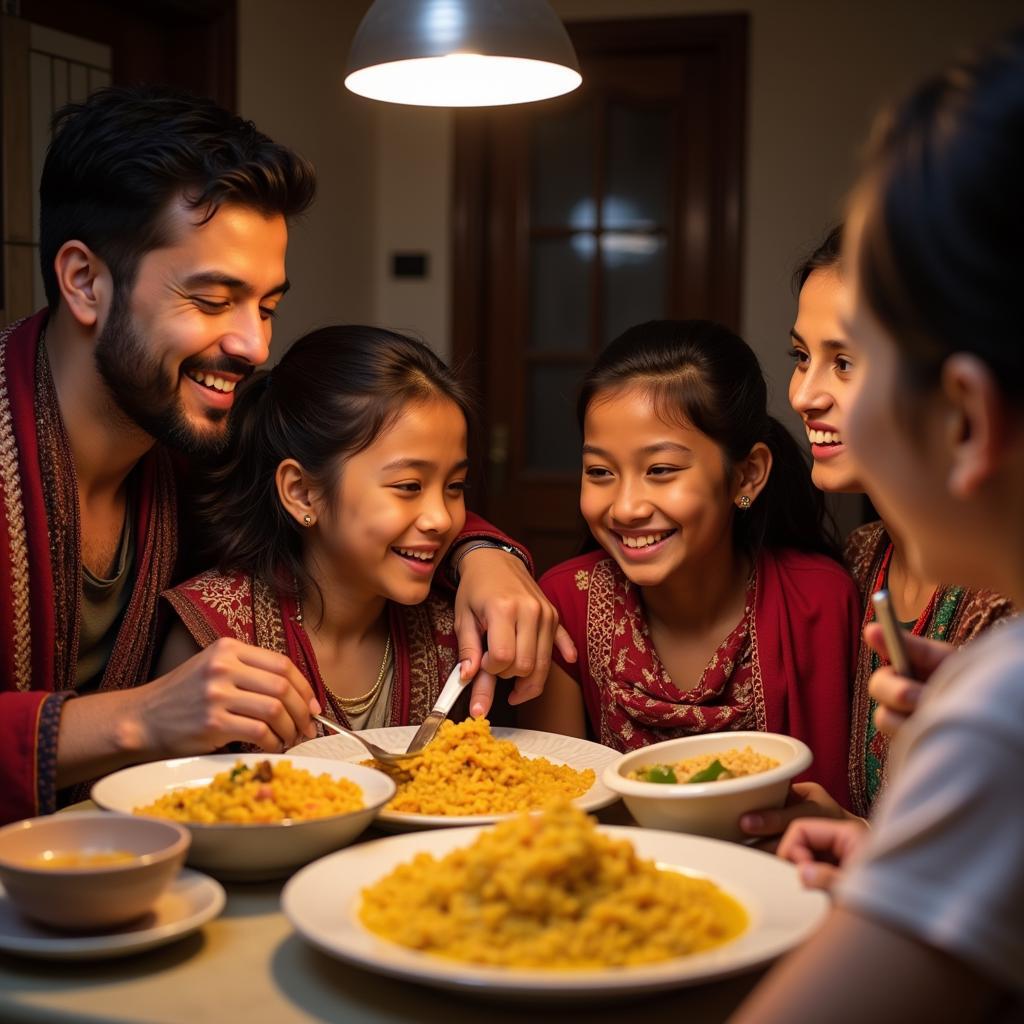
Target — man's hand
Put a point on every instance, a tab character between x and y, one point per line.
897	695
228	692
499	599
821	848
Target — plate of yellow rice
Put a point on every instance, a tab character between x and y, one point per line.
252	816
552	905
472	774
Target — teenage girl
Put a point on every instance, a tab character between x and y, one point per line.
824	382
343	491
715	600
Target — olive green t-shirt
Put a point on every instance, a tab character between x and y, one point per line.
103	602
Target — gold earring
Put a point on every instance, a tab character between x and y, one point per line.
307	520
743	501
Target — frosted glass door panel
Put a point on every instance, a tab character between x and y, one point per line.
560	277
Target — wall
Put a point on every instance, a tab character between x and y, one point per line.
291	58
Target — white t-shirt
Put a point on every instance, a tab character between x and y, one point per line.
945	862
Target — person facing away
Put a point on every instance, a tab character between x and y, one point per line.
163	230
341	493
715	600
928	914
824	380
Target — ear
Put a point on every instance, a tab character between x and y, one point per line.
751	474
85	283
976	423
296	492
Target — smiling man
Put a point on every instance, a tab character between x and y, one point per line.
163	238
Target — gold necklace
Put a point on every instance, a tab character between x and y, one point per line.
351	705
357	705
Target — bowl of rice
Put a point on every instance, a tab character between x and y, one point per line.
704	784
252	816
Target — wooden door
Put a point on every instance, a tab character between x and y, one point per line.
579	217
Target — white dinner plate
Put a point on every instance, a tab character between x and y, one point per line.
322	902
189	902
578	754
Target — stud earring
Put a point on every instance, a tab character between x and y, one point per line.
307	519
743	501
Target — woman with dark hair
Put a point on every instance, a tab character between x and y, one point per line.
341	494
824	382
928	920
716	600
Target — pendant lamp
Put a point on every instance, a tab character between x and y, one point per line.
461	53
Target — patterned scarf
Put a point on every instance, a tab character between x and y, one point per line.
640	704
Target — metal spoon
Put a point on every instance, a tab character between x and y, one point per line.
379	753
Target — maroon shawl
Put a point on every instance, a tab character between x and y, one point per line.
41	571
786	667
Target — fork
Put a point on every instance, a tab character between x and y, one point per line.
379	753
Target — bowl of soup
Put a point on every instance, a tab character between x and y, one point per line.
87	871
703	784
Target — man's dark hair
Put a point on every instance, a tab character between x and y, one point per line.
118	159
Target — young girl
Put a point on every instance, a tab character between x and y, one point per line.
713	602
823	384
342	493
928	922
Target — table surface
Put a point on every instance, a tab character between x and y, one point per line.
248	965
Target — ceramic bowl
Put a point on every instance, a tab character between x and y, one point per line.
707	808
249	852
52	868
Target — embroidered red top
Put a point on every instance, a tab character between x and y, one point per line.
785	667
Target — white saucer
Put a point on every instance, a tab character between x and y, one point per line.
191	900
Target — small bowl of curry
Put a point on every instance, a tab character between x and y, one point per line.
703	784
88	870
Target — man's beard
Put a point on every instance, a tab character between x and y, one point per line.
147	396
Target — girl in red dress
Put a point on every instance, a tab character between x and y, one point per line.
715	600
341	495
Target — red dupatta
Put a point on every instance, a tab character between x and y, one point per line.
214	604
41	567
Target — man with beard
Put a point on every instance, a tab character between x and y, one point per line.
163	237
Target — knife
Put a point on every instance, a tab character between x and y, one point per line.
453	687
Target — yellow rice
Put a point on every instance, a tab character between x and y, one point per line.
549	891
466	770
242	796
736	762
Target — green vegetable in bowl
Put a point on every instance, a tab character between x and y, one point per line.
659	773
715	770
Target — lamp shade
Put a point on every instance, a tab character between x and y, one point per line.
461	53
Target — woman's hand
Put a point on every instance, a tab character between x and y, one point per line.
897	695
805	800
499	599
821	848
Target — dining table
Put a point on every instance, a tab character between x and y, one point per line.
249	965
